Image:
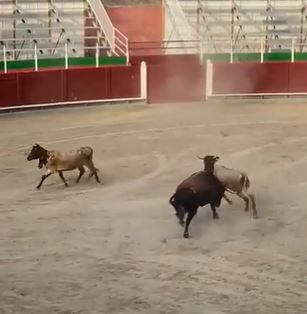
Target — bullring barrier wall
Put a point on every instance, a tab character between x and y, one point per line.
252	78
169	78
70	86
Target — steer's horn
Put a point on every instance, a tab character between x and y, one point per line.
201	158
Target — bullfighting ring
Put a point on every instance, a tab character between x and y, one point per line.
118	248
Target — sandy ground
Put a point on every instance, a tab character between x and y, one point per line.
118	248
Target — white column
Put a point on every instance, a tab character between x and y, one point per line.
97	55
292	51
4	60
143	80
66	57
209	78
127	54
201	53
35	57
261	51
231	52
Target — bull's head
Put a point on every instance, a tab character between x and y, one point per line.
209	162
209	159
34	153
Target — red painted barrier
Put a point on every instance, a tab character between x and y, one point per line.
250	77
172	78
89	83
41	87
9	90
125	84
298	77
52	86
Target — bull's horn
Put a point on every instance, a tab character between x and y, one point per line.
201	158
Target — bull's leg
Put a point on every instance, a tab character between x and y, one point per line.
227	199
246	200
82	170
214	213
191	214
93	170
44	177
252	197
63	179
96	176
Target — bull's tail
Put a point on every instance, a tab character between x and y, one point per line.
179	210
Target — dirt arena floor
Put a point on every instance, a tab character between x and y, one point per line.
118	248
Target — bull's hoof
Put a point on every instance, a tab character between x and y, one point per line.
216	216
255	216
38	187
186	235
66	185
181	223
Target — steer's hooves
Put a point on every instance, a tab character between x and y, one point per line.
216	216
66	185
38	187
186	235
255	216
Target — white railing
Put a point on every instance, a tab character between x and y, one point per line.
258	46
103	20
117	40
121	46
64	53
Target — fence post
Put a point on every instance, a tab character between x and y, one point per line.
231	52
4	60
292	51
35	57
261	51
66	56
143	70
97	55
201	53
127	54
209	78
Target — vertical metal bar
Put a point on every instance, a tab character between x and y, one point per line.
4	60
35	57
209	78
261	51
127	53
292	51
231	52
201	53
50	20
97	55
14	28
113	41
66	56
303	8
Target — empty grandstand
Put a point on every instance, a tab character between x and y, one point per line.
248	26
48	30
